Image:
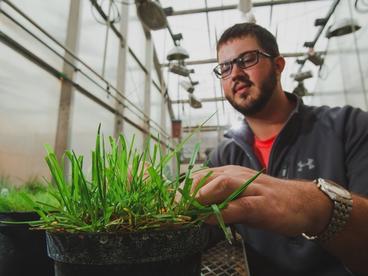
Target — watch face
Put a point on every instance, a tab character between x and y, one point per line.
329	186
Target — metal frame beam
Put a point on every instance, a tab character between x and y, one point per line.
232	7
214	60
217	99
205	128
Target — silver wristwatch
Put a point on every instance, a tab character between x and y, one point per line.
343	203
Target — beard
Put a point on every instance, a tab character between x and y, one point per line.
253	106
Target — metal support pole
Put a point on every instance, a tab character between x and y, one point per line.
122	68
163	111
148	83
66	96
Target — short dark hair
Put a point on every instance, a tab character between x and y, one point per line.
264	38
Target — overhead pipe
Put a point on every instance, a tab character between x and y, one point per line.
233	7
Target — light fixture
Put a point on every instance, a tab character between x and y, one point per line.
151	14
194	102
342	26
300	76
300	90
320	21
177	53
249	17
315	58
309	44
180	69
245	6
188	85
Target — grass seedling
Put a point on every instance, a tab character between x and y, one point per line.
24	198
127	191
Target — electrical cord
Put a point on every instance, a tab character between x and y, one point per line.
114	15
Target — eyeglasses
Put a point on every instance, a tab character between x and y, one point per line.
243	61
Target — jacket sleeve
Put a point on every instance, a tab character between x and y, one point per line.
355	138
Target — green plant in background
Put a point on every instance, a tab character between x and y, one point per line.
127	191
24	198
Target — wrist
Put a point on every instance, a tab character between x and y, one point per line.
322	212
332	219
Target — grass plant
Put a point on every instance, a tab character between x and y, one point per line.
23	198
127	191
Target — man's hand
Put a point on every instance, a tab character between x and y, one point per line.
288	207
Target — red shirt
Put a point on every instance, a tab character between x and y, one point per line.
262	149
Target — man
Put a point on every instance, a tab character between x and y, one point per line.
293	218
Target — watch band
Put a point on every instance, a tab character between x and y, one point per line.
340	215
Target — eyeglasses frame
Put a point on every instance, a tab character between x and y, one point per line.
235	60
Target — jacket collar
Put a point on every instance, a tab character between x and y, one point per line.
245	134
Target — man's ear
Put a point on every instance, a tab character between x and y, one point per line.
279	63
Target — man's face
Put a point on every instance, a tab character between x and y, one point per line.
247	90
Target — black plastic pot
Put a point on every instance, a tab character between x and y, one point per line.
23	251
164	253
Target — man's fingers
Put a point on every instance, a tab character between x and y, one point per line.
217	190
198	177
238	211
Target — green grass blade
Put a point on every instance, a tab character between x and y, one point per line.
238	191
217	212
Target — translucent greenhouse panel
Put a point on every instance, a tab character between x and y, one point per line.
131	132
354	57
220	113
294	20
135	80
207	141
344	69
167	121
52	18
29	99
155	114
208	84
87	116
156	107
293	24
136	37
182	5
155	76
94	37
330	84
327	99
357	100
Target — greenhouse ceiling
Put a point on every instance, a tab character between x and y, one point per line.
201	23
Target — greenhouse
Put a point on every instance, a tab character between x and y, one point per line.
183	137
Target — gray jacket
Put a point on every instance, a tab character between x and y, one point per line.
331	143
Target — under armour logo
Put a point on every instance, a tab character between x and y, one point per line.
309	164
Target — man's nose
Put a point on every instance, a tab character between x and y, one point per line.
236	71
